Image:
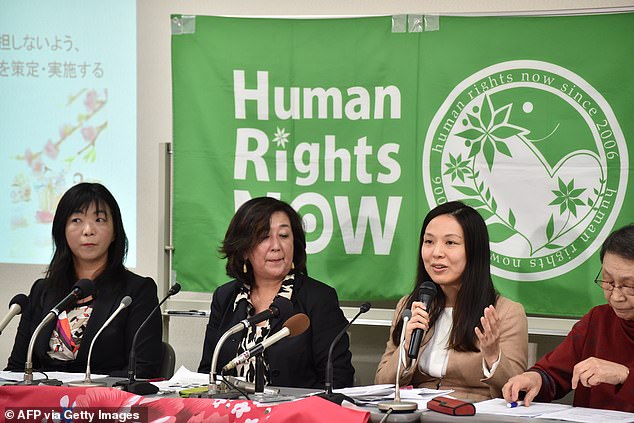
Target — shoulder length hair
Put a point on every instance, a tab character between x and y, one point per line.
249	226
476	289
61	271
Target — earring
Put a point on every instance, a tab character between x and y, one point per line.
292	265
244	267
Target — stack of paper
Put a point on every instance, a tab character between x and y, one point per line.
373	394
553	411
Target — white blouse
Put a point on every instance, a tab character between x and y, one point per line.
433	360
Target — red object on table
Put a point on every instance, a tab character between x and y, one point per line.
168	410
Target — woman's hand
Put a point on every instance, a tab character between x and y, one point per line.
593	371
419	320
490	338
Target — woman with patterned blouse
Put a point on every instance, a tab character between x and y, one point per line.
265	248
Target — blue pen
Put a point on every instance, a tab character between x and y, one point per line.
514	404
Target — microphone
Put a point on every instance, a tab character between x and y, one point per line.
16	305
280	307
126	301
426	294
82	289
132	385
295	325
398	406
329	395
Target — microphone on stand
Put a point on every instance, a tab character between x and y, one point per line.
295	325
280	307
126	301
398	406
426	294
83	288
16	305
328	394
136	386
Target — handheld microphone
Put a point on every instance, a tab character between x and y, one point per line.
16	305
280	307
295	325
426	294
132	385
82	289
126	301
329	395
398	406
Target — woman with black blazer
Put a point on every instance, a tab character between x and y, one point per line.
90	243
265	248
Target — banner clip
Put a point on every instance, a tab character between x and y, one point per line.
431	22
183	24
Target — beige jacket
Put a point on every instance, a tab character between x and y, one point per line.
464	369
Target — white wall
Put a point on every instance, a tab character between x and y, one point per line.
155	127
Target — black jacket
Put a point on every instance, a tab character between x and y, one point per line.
299	361
112	348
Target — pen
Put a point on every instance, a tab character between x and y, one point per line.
514	404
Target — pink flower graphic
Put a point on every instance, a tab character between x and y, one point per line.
28	156
51	150
91	101
89	133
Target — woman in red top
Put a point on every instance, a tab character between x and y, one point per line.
597	356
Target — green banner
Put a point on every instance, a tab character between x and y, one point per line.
363	129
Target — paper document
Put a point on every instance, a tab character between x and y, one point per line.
182	379
498	406
374	394
61	376
590	415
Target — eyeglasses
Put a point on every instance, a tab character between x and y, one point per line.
609	286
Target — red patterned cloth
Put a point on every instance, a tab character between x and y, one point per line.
169	410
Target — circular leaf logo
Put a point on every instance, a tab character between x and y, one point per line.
539	153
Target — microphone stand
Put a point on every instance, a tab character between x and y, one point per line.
82	289
279	307
213	388
87	382
136	386
28	367
398	406
338	398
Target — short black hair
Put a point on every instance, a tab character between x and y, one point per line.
619	242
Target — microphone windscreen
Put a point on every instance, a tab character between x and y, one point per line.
406	313
175	289
365	307
284	307
21	300
126	301
86	288
297	324
428	288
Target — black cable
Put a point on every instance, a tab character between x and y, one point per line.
232	386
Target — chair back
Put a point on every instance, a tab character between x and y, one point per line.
169	360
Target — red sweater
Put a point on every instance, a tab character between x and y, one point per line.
600	334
